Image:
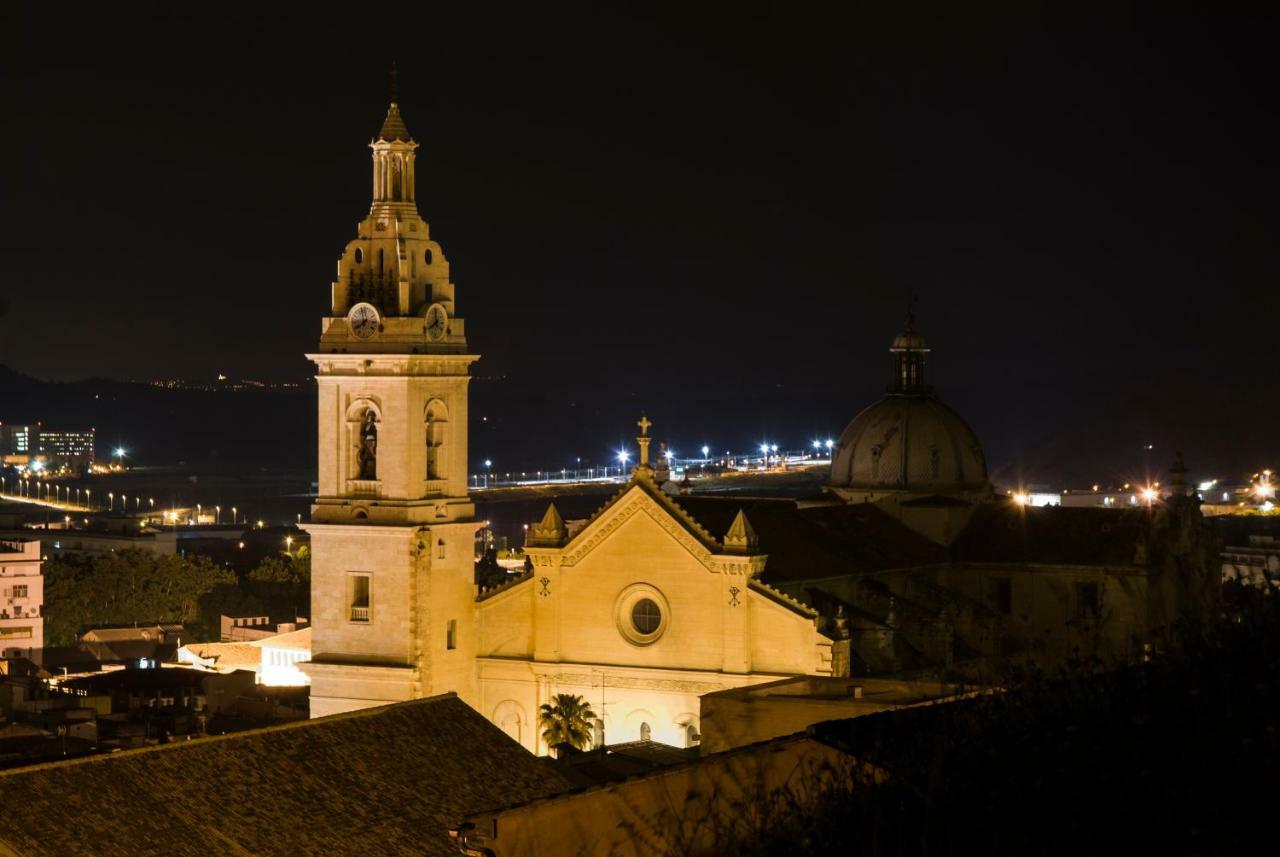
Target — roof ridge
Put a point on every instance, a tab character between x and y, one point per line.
485	593
685	516
778	593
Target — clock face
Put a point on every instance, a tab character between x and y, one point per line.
437	321
363	319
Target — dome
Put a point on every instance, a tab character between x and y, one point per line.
909	443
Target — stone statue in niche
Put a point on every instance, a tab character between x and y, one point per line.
367	457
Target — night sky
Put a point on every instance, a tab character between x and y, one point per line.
718	219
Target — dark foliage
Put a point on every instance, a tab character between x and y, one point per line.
1178	755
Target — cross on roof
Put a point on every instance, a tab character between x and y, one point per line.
644	424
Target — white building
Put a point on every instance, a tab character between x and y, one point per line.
21	599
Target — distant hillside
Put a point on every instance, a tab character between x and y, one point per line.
162	426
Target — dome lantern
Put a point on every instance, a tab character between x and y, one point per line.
908	353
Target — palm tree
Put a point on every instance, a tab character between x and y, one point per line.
567	720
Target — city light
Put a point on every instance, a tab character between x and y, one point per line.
1022	498
706	450
119	452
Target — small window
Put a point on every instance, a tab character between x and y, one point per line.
426	256
646	616
358	586
645	732
451	635
20	592
440	549
359	256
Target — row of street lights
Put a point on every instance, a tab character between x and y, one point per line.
51	492
623	457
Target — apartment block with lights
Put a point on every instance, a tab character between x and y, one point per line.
21	599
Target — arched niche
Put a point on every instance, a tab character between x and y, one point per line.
435	417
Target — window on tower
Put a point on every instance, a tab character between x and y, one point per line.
359	592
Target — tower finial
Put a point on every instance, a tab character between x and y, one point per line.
394	84
644	423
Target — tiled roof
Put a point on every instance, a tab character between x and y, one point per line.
820	541
1002	532
300	639
389	780
615	762
226	654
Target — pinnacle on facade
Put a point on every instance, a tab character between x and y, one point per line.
741	536
551	531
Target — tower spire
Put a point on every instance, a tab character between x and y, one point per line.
394	84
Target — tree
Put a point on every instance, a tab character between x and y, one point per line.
567	721
282	584
130	587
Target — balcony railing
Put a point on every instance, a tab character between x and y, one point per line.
359	614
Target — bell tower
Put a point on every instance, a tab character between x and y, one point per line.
392	528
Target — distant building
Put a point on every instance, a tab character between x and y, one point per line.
281	655
72	449
247	627
1255	563
18	440
21	599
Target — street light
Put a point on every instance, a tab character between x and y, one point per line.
487	465
233	514
623	457
217	514
111	501
706	451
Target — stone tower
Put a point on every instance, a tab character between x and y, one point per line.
392	532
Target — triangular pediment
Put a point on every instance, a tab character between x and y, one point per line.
663	511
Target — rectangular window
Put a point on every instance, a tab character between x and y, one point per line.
1088	601
358	597
1002	596
451	635
15	633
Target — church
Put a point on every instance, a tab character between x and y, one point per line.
640	610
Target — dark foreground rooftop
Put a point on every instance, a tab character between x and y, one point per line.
389	780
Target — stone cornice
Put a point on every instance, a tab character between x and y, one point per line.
392	365
782	599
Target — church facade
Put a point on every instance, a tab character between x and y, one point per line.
640	611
